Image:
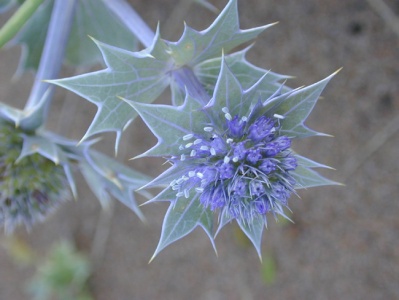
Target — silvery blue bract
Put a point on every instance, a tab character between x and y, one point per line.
231	157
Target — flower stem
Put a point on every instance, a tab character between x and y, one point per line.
53	51
15	23
132	20
187	80
184	76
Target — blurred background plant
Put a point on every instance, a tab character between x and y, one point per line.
60	274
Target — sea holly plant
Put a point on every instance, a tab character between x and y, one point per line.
227	133
37	166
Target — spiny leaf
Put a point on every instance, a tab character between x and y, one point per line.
224	34
254	232
92	19
28	119
182	217
308	163
306	178
297	107
132	75
107	176
168	123
246	73
228	93
51	150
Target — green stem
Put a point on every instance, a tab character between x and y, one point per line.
15	23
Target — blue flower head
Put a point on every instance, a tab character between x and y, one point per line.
242	169
232	156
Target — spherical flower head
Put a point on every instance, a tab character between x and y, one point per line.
242	169
29	189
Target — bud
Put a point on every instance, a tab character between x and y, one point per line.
31	187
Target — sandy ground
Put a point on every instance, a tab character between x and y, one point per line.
344	243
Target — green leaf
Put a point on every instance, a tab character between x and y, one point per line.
17	20
137	76
182	217
92	19
223	35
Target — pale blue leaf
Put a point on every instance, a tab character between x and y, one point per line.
223	35
108	176
169	124
132	75
227	94
245	72
45	147
306	178
297	107
253	230
308	163
182	217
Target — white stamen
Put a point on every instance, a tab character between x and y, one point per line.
208	129
179	194
181	147
191	174
244	119
173	182
186	193
225	110
193	153
197	141
199	190
200	175
228	116
180	180
226	159
277	116
228	141
175	187
204	148
185	178
182	157
213	151
235	159
188	136
189	145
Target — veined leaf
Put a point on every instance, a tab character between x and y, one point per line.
254	232
306	178
133	75
223	35
182	217
246	73
168	123
297	107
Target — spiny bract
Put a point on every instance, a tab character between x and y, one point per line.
231	156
